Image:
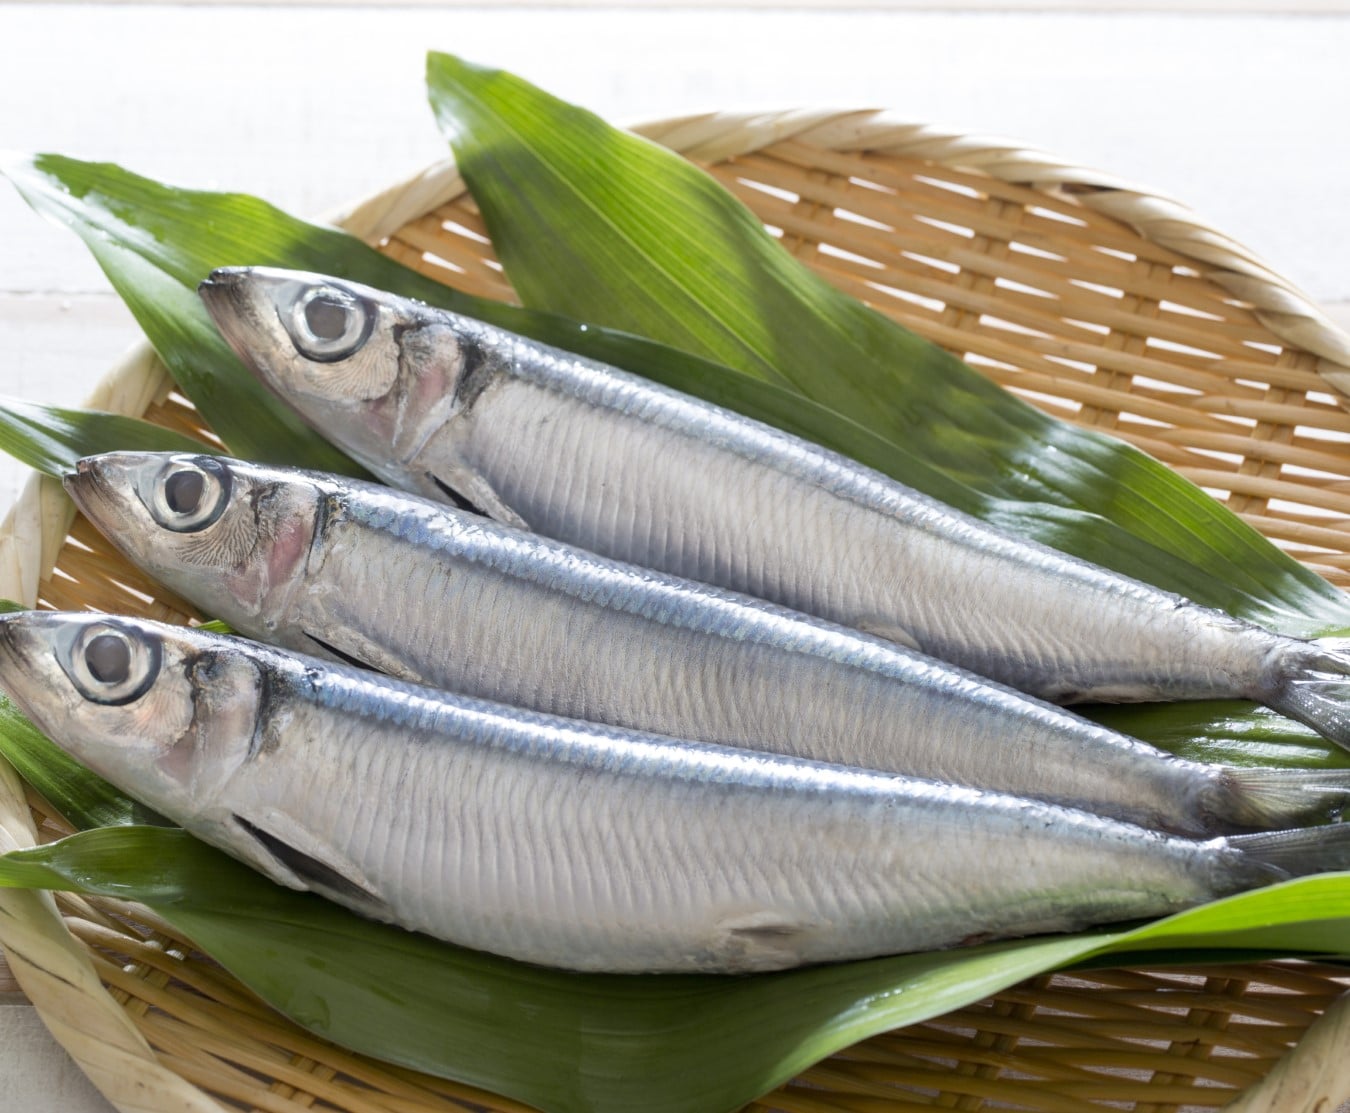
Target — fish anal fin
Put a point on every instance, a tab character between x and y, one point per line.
295	854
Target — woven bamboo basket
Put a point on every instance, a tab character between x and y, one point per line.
1098	301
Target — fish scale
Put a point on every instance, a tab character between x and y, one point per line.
426	592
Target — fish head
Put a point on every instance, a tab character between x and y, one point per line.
230	536
376	374
163	712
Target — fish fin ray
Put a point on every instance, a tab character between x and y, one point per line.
1268	798
473	494
317	867
342	655
1315	690
363	654
1300	851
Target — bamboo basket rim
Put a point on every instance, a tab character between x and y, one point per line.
55	969
720	135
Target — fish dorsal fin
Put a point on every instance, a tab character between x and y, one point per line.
300	860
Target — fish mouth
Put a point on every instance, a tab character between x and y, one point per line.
239	295
85	474
228	294
7	625
222	285
90	488
17	675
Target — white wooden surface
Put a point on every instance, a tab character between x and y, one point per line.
1240	115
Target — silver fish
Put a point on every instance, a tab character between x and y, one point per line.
421	591
459	410
577	845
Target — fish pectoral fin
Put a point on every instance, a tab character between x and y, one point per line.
474	494
351	649
888	631
291	854
341	654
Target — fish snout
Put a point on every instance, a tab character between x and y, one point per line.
88	471
247	305
104	485
224	290
229	292
7	625
21	639
225	294
222	279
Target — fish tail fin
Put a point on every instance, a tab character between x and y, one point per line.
1298	852
1268	798
1315	689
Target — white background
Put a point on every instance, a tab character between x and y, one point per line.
1236	110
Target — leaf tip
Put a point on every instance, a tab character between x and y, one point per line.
454	81
443	67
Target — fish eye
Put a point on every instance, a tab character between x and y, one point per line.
190	493
113	666
108	658
328	324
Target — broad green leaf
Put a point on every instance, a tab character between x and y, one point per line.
605	1044
168	239
600	225
158	242
1224	732
82	797
240	410
50	439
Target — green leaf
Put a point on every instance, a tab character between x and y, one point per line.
82	797
248	419
157	242
603	226
1224	732
51	439
608	1044
161	241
